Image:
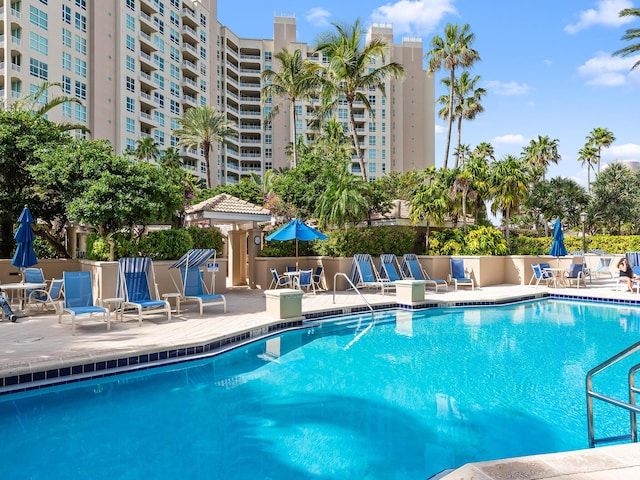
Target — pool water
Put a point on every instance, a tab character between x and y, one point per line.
402	397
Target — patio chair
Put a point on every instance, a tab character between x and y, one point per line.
317	278
363	273
458	275
136	282
47	298
635	283
194	289
78	299
411	268
278	280
575	275
541	274
305	280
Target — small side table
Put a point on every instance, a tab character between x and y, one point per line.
116	302
175	295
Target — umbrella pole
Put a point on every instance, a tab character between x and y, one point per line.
297	254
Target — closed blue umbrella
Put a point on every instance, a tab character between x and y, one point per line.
557	247
25	256
298	230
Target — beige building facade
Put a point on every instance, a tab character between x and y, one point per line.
138	65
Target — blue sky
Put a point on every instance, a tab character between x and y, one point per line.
546	64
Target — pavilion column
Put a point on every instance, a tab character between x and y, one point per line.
237	251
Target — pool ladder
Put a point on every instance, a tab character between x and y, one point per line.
341	274
630	406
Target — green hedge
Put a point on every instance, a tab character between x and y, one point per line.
610	244
479	240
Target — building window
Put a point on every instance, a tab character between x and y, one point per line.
81	67
81	22
268	139
130	22
159	79
131	84
130	43
130	63
130	125
81	45
372	154
268	56
130	144
81	90
38	18
174	107
131	5
159	98
372	167
174	89
174	54
38	43
66	38
383	127
384	166
66	110
81	113
66	14
383	155
131	105
66	85
159	117
174	18
343	113
372	127
372	141
158	136
268	153
203	20
38	69
81	4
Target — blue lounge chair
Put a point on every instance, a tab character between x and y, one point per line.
458	276
194	289
47	298
192	285
389	267
575	275
363	273
412	269
136	281
317	278
305	280
78	299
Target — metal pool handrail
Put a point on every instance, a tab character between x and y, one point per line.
630	406
352	286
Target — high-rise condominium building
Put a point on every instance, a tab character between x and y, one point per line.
138	65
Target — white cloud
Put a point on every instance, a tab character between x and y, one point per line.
318	17
509	140
606	14
604	70
414	17
439	129
627	152
508	88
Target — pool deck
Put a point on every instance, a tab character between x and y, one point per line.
37	343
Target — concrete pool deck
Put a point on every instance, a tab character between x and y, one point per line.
37	343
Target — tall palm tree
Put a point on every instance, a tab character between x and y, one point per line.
147	149
462	152
430	203
588	155
509	187
631	34
294	80
600	137
484	150
450	52
352	72
200	127
539	154
462	183
467	103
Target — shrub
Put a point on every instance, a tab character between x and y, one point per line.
165	244
479	240
373	240
206	238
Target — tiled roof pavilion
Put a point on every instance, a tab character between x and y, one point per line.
227	209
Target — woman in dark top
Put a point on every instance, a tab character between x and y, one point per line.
626	272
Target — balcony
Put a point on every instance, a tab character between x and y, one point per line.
190	33
145	39
191	67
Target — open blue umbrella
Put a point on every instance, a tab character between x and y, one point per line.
25	256
298	230
557	247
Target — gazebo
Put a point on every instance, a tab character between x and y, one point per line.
239	221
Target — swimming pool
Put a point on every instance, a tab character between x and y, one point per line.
403	397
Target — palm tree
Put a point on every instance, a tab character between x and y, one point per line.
352	73
171	158
539	154
344	199
509	187
468	104
294	80
430	203
39	104
484	150
462	183
454	50
200	127
631	34
147	149
600	137
589	155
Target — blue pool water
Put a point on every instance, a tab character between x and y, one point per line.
402	398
